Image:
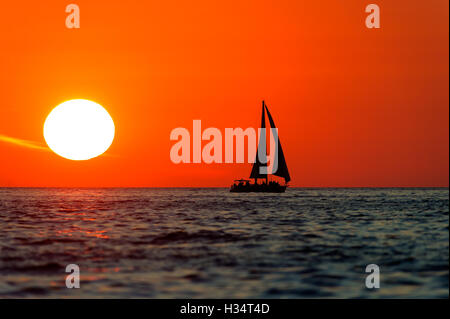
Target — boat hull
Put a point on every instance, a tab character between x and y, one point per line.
258	188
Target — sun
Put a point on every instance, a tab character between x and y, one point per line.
79	130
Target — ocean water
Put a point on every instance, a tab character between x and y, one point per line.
209	243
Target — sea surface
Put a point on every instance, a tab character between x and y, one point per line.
209	243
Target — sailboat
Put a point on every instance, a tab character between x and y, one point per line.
244	185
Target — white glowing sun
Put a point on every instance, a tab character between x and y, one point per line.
79	130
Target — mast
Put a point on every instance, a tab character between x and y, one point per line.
255	174
267	175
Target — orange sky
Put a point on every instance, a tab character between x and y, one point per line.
354	107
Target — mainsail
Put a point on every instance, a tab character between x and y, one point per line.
282	170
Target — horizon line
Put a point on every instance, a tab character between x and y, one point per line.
225	187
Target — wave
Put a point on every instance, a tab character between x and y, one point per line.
182	236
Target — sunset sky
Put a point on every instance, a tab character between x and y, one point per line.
354	106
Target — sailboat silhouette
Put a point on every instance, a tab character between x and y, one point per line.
244	185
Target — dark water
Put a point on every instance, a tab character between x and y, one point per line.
196	243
